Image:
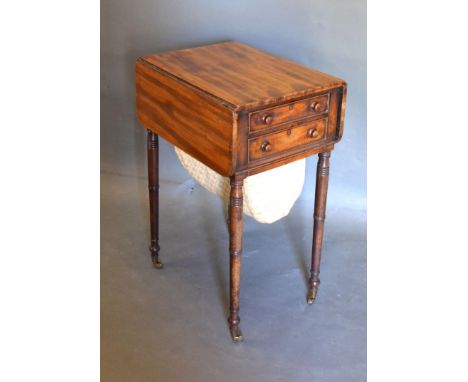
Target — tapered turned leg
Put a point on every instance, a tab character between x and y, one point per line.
153	187
321	189
235	251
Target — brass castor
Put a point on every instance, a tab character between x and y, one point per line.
155	257
156	263
311	296
236	333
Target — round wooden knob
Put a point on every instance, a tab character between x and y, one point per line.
312	133
267	119
316	106
265	147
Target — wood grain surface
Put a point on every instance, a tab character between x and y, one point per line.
242	76
185	117
292	111
309	133
211	100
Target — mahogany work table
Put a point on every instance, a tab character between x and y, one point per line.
239	111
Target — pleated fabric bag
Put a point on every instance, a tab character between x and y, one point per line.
268	196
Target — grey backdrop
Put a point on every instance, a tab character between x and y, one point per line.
328	35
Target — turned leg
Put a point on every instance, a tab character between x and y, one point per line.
235	251
321	188
153	187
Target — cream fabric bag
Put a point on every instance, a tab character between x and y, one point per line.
268	196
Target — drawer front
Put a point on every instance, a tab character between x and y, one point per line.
263	119
307	133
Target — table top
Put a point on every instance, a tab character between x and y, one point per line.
241	76
237	109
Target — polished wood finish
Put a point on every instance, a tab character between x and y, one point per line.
240	111
242	76
306	133
235	252
287	113
321	188
152	144
210	100
265	165
332	114
185	117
